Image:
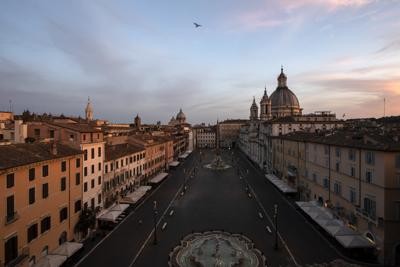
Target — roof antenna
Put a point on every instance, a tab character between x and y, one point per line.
384	107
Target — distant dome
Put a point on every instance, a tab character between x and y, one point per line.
283	101
181	115
284	97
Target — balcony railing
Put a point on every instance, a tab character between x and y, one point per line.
365	215
12	217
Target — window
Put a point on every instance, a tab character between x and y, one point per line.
92	203
92	168
116	165
99	152
85	187
85	171
45	170
122	163
31	174
78	206
111	166
84	137
45	224
10	249
99	180
37	132
337	188
10	180
337	152
63	214
397	210
99	166
92	153
337	166
368	176
85	155
78	163
370	207
370	157
352	171
99	198
352	195
352	155
106	168
78	178
92	183
397	161
326	183
31	195
326	150
10	208
314	177
45	190
63	166
32	232
63	183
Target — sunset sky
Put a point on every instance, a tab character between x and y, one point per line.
146	57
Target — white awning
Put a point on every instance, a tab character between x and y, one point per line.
183	156
336	230
136	195
174	163
354	241
51	261
110	216
282	186
67	249
119	207
161	176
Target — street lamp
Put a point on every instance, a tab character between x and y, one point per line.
276	225
155	222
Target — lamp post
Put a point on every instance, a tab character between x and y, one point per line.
276	225
155	222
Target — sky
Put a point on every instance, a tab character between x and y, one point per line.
147	58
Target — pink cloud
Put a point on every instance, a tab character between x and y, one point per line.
329	4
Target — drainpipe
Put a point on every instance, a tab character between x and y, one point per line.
329	173
359	178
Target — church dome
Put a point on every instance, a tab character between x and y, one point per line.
283	96
180	115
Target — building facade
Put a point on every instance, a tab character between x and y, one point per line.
355	174
42	195
123	168
206	136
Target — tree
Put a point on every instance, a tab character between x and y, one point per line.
87	219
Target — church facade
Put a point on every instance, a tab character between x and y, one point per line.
278	114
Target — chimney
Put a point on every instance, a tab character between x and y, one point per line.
53	148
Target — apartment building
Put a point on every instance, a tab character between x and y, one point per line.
41	192
155	153
206	136
355	173
88	139
123	168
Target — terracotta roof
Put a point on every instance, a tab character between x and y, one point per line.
121	150
369	140
22	154
78	127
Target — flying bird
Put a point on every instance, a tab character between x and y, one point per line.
196	24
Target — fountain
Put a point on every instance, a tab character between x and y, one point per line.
216	248
217	164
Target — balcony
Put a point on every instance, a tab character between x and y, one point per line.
12	217
365	215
